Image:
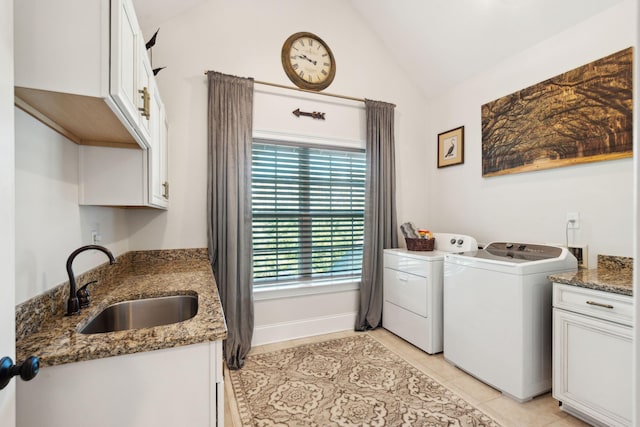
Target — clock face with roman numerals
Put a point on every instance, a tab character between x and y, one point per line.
308	61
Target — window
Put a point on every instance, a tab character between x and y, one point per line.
308	213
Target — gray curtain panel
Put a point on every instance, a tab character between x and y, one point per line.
380	223
229	207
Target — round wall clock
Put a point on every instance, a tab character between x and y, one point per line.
308	61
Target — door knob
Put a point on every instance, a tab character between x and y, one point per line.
27	370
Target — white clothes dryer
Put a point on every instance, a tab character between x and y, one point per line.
412	302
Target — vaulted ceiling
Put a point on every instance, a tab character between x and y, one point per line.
440	43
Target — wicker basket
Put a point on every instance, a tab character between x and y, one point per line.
420	244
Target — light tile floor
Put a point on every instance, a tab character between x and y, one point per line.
541	411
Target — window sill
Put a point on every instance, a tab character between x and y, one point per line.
302	289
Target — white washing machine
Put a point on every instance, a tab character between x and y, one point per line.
412	304
497	314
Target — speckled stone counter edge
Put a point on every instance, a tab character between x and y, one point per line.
614	274
43	330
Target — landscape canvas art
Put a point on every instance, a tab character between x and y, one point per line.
583	115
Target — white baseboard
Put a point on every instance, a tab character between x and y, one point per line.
276	332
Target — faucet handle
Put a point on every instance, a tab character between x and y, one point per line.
83	295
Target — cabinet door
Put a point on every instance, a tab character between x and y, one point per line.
125	39
592	367
145	92
127	390
164	156
159	191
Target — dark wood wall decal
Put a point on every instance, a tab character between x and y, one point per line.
583	115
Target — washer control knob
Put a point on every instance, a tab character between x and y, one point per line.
509	245
521	247
460	242
453	241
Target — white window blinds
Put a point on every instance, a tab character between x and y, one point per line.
308	213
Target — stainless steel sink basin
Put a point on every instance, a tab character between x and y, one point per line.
143	313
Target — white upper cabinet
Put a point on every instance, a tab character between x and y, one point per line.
79	69
125	41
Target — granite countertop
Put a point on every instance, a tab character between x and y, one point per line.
614	274
51	336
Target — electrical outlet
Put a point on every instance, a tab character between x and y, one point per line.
96	236
573	218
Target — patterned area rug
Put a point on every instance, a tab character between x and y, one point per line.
354	381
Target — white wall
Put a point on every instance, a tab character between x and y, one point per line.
49	222
297	316
7	214
245	38
532	207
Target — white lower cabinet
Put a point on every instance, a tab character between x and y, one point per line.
592	355
180	386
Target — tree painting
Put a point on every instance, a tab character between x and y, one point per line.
584	115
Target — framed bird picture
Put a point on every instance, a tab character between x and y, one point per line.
451	147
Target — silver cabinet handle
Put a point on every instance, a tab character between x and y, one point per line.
145	110
165	189
599	304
